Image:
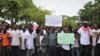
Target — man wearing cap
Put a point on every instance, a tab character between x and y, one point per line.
85	40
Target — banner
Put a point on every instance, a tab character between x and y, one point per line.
65	38
53	21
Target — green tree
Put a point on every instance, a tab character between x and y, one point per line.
91	12
18	10
69	21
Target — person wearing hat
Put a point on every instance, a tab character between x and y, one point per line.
85	40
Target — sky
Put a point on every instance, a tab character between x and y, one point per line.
62	7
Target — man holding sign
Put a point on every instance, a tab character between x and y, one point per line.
69	39
65	38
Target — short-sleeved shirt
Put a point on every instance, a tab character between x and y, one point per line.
15	35
30	40
23	37
5	38
84	36
94	36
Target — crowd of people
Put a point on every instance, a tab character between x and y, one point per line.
16	40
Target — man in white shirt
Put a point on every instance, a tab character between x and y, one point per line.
23	41
97	48
15	35
30	35
94	37
66	47
85	40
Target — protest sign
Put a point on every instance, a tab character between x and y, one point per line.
65	38
53	21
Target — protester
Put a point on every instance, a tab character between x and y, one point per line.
94	37
75	46
30	35
85	40
5	42
15	41
52	38
23	41
97	48
66	47
59	51
41	43
94	34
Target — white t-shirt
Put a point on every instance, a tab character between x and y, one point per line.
23	37
66	47
41	38
30	40
84	36
99	36
15	35
44	31
94	36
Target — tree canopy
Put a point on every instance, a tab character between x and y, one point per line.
22	10
91	12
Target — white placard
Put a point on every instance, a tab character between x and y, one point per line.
51	20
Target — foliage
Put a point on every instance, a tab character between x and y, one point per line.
91	12
69	21
19	10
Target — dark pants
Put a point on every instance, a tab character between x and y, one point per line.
59	51
75	52
66	53
97	50
40	53
85	50
29	52
5	51
52	50
14	50
22	52
36	51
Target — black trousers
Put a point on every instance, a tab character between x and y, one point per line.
22	52
85	50
15	50
97	50
52	50
66	53
59	51
5	51
40	53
